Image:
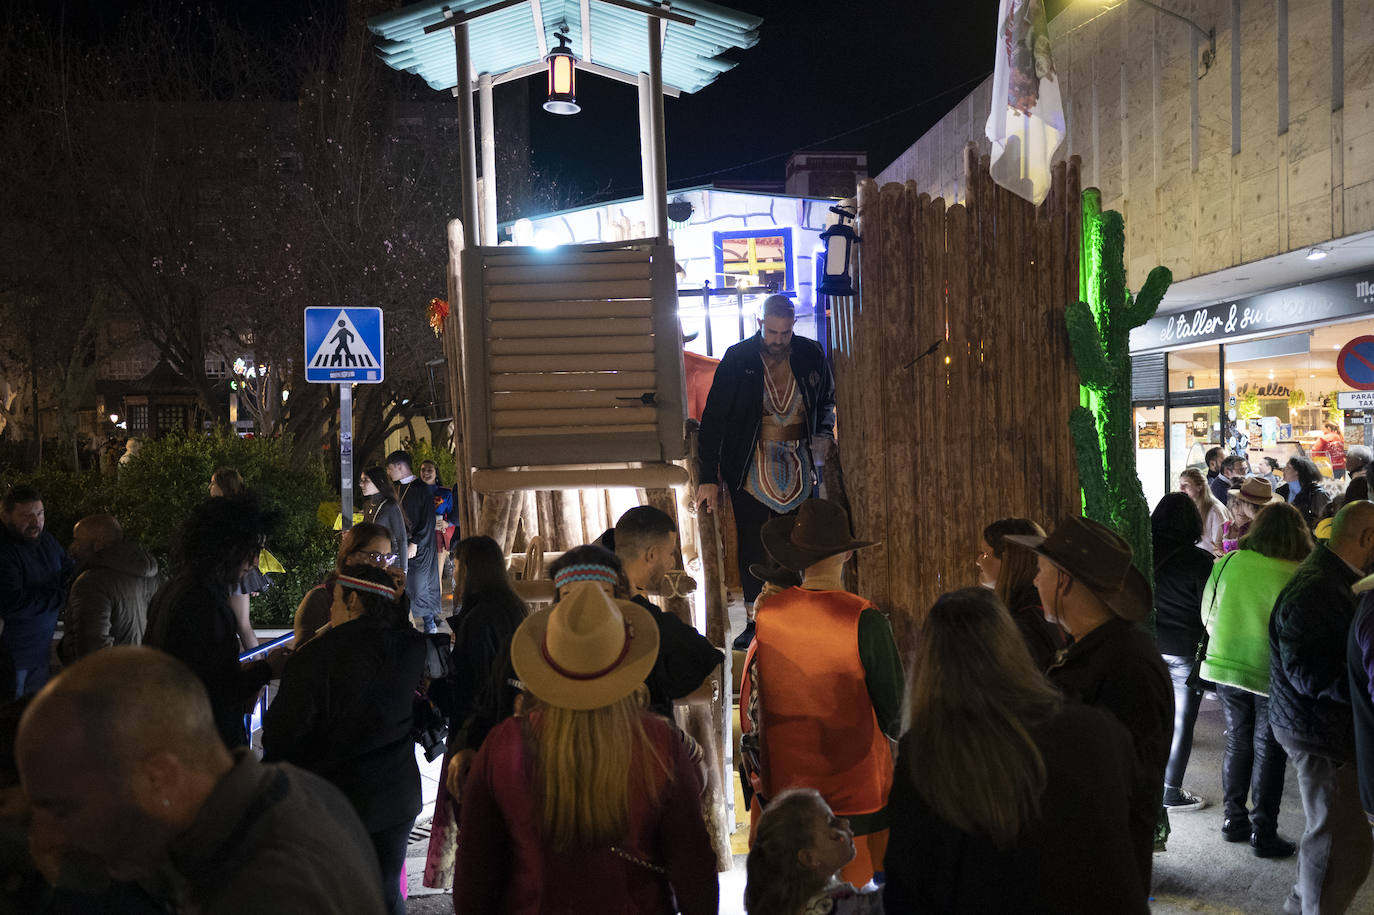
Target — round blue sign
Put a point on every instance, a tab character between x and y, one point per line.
1355	363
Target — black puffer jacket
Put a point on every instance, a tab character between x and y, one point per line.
734	408
108	604
1181	572
1309	686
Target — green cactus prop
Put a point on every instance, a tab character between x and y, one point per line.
1099	334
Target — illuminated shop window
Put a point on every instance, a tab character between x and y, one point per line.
755	258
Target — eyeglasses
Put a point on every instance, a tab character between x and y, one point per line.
381	559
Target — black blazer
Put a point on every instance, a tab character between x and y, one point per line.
734	408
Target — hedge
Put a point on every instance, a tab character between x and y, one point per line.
154	493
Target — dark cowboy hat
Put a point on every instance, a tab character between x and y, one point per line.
1099	560
775	574
819	530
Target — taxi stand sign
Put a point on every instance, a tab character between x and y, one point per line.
343	346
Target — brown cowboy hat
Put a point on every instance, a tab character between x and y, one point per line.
587	651
1255	490
819	530
1098	559
775	574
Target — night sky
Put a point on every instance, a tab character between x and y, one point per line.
870	75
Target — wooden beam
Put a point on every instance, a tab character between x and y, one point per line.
449	20
655	11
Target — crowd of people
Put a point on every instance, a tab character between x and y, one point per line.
1024	756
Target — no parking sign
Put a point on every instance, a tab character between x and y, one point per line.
1355	363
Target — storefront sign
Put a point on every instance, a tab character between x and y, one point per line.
1313	303
1355	400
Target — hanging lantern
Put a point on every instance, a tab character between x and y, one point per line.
839	241
562	79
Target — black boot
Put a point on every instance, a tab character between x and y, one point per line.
1269	845
741	642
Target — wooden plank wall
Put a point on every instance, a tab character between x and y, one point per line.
937	446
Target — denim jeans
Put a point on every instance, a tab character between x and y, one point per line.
1334	853
1253	762
1186	703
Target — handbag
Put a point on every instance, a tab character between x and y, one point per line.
1195	681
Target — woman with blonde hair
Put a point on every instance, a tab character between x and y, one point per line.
1214	516
1044	829
587	802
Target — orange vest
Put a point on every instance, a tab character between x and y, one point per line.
818	726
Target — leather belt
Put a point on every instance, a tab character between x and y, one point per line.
771	433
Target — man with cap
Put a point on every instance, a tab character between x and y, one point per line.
1089	587
769	416
823	683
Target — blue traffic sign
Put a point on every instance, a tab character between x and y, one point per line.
344	346
1355	363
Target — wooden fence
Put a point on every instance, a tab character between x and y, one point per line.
936	446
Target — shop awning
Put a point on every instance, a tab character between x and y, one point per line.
511	42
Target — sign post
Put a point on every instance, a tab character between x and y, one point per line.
343	346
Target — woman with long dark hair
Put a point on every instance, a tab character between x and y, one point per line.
191	619
587	802
1302	489
478	693
1236	604
1181	570
344	712
1047	824
1010	570
381	506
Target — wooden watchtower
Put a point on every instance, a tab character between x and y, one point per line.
565	366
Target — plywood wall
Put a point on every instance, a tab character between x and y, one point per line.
1272	150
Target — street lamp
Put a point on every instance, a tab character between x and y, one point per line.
839	241
562	79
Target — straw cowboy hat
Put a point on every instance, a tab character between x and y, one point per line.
1256	491
587	651
1099	560
819	530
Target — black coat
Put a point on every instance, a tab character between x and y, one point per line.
685	659
733	413
1180	578
477	694
1309	686
418	507
383	510
1360	661
1311	501
1075	857
344	712
33	585
1116	668
190	619
1040	635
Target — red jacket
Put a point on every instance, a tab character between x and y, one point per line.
504	867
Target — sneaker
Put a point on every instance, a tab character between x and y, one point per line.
1180	800
741	642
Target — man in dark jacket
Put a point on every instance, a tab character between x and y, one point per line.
422	573
1360	658
1310	712
1088	585
120	762
769	417
115	580
34	572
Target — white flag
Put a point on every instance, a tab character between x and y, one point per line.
1026	124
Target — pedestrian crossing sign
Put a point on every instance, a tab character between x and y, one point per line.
344	345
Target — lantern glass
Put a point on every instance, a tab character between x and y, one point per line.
837	255
562	80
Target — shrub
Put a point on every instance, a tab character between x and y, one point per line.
153	495
421	451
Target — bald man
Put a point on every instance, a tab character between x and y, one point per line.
121	761
1311	714
115	580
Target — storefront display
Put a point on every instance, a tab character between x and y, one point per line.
1257	376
